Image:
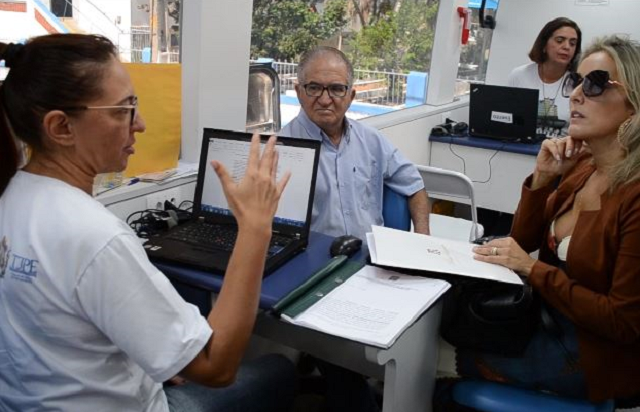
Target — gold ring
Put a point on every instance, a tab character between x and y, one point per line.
494	251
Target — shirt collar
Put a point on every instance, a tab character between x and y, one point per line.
316	132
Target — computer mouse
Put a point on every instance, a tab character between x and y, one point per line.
345	245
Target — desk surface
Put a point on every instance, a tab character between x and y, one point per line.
274	286
408	367
490	144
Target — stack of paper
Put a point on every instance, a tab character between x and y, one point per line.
373	306
157	177
397	248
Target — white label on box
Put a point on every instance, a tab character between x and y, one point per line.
501	117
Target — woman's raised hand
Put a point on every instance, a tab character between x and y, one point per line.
556	156
254	199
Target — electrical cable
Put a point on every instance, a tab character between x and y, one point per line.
150	222
464	164
186	208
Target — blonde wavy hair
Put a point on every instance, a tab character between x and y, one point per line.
626	55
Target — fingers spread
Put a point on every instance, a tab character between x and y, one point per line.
254	153
283	182
274	165
268	161
223	174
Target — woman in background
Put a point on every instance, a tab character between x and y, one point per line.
86	321
587	229
554	54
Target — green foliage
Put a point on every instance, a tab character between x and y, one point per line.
374	45
396	41
398	36
284	29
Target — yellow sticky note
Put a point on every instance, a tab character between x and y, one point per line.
158	87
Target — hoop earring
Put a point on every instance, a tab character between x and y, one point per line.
621	130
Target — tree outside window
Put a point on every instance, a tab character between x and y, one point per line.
386	40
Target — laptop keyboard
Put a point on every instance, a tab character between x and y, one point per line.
220	237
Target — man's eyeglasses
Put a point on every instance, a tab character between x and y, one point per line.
133	107
334	90
593	84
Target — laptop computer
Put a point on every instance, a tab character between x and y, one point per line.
503	113
206	241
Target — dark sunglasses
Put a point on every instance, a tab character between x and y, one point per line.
593	84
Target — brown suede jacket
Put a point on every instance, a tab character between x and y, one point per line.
600	289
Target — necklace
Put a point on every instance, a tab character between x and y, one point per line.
548	104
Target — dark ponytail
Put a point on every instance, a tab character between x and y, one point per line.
46	73
8	153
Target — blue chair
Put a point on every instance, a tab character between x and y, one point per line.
495	397
395	210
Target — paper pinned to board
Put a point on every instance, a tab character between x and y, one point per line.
398	248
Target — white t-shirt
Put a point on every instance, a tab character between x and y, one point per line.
87	323
551	103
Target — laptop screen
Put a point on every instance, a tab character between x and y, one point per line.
232	150
503	113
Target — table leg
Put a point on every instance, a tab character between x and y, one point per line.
410	365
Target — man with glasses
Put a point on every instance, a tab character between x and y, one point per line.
356	161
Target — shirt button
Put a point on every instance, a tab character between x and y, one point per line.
346	212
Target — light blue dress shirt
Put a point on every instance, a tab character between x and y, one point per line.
348	196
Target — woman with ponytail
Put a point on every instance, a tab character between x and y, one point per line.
86	321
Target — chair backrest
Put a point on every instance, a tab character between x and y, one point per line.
395	210
450	185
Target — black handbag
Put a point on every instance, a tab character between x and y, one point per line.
489	316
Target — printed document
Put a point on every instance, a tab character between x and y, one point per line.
397	248
374	306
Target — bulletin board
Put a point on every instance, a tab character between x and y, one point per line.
158	87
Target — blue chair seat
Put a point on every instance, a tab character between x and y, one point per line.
495	397
395	210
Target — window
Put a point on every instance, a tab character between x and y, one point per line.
155	31
474	56
62	8
143	30
389	43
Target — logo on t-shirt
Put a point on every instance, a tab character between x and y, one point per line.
21	268
4	256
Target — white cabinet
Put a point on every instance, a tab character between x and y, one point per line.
497	175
